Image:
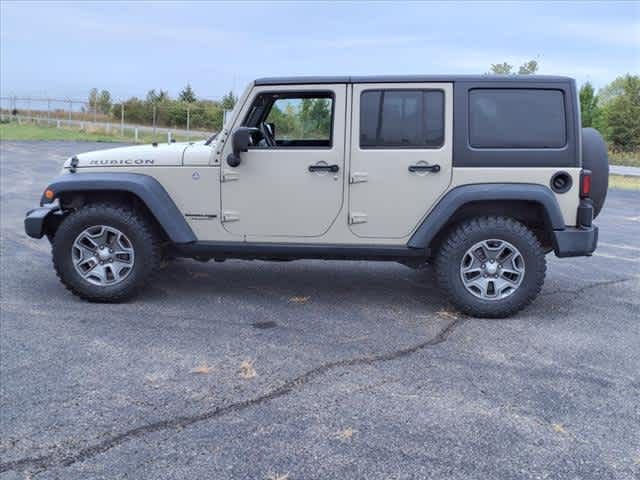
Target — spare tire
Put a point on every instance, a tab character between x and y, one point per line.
596	159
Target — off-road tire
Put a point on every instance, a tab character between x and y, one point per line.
467	234
140	231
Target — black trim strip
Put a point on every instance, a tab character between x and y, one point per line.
201	215
295	251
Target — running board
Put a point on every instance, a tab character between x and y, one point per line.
296	251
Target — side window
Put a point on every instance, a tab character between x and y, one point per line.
402	119
301	121
517	118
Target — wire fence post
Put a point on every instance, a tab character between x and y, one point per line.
95	110
48	112
122	119
188	123
70	108
154	121
135	134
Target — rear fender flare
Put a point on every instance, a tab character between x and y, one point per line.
437	219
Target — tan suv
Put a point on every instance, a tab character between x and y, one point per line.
480	175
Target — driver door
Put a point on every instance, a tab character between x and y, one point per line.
289	185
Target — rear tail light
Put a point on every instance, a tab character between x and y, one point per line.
585	184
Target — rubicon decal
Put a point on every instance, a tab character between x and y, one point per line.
128	161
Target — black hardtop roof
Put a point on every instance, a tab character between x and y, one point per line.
411	79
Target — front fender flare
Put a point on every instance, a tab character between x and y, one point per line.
145	187
459	196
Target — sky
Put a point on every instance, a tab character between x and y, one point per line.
63	49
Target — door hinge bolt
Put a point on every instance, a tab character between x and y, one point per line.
230	216
358	177
355	218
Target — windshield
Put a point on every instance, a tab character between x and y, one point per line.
229	114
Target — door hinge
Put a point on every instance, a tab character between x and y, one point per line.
228	216
358	177
230	176
357	217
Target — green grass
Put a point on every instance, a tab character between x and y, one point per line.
624	182
628	159
31	131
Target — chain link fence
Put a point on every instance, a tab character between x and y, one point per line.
132	120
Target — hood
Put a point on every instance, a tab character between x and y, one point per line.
164	155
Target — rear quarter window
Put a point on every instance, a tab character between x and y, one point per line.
517	118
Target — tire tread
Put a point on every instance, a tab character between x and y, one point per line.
137	222
454	242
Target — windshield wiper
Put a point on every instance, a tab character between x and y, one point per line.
211	139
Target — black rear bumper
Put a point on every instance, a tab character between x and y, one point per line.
36	220
575	242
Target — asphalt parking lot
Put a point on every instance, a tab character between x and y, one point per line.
312	369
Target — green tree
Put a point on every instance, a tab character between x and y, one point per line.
588	105
157	97
229	101
187	94
104	102
622	114
527	68
500	69
316	117
93	98
611	91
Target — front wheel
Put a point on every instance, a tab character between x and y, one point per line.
105	253
491	266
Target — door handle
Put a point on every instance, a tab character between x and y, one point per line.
324	168
424	168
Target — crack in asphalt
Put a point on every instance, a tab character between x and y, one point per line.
44	462
582	289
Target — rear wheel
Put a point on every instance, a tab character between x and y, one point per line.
491	266
105	253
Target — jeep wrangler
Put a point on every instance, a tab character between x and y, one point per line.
481	176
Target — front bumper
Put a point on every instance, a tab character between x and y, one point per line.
36	220
575	242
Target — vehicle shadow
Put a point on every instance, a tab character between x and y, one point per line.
303	281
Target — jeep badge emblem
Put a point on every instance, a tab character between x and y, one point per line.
195	175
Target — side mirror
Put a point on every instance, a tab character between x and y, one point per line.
239	143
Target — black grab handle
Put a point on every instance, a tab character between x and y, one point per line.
424	168
324	168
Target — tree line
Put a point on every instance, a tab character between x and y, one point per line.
614	110
158	108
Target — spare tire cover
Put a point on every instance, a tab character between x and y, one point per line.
595	158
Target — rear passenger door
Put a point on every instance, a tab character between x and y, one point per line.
401	155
